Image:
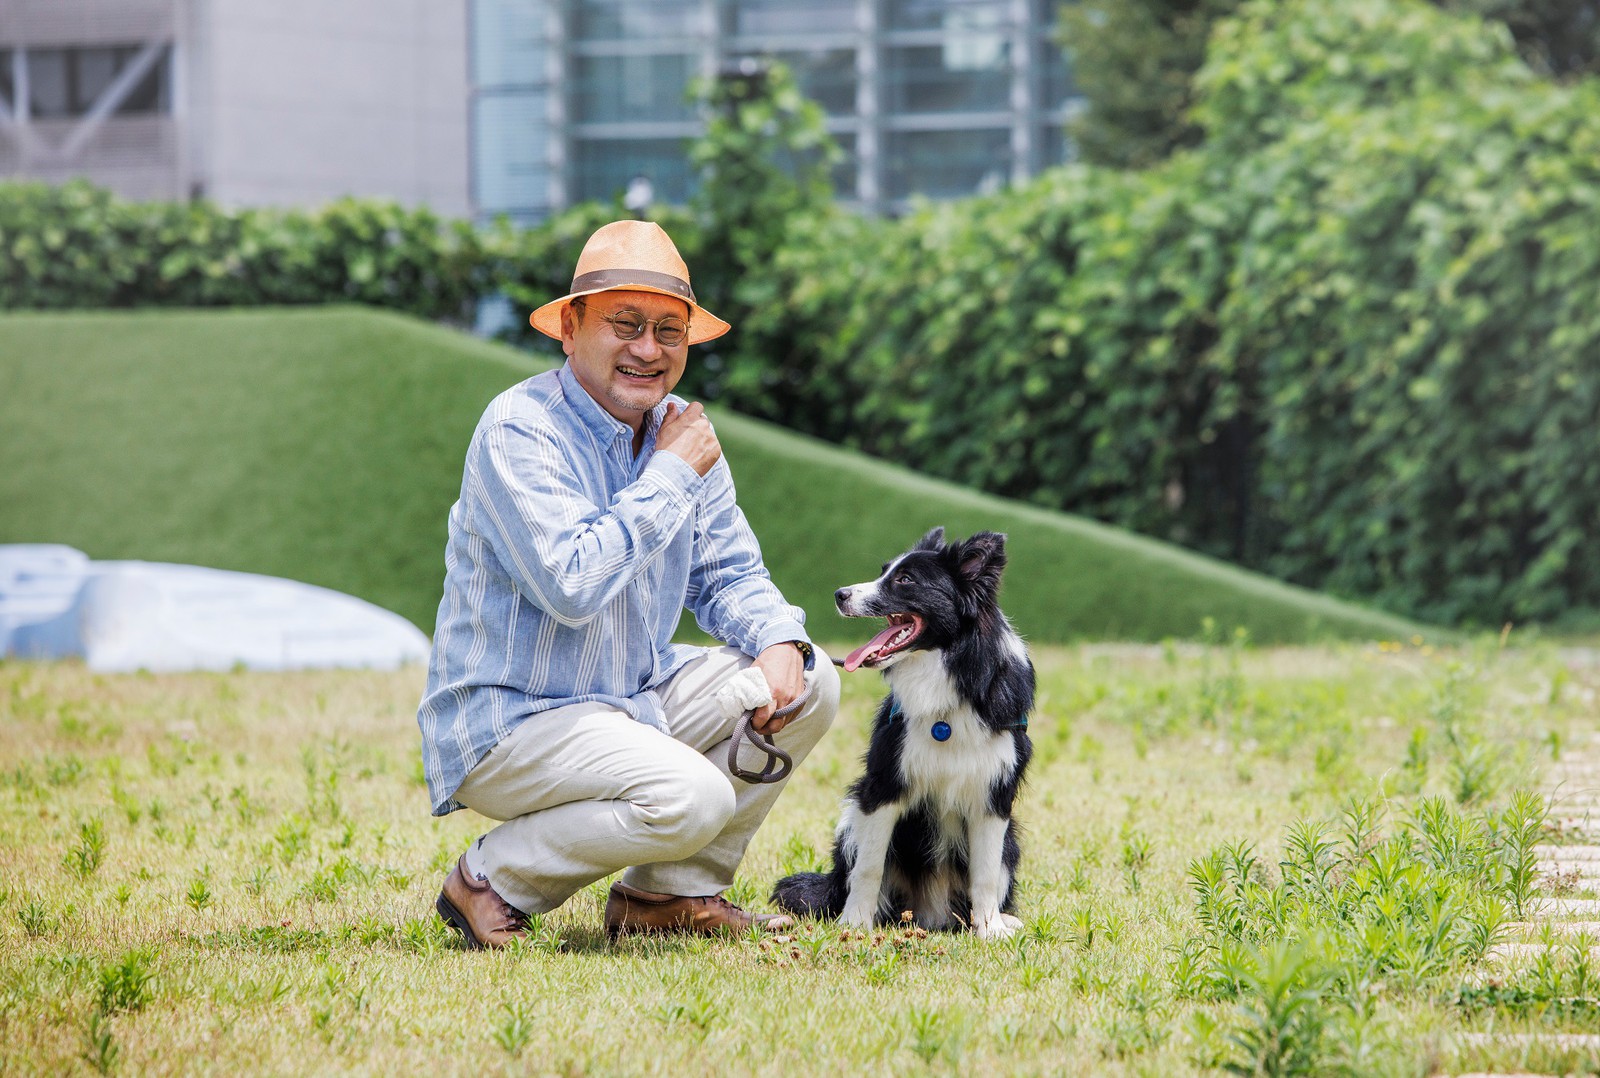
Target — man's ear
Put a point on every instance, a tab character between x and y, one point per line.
981	558
569	326
934	540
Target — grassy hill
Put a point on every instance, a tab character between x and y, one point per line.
326	445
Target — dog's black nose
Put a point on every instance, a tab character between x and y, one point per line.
841	595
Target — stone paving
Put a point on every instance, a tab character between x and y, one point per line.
1570	916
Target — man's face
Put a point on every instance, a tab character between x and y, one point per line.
627	378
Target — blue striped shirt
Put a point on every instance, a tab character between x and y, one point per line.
568	564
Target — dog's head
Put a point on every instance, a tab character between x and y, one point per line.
931	594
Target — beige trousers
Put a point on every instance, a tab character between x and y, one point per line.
585	791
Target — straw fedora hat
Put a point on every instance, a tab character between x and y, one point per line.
638	256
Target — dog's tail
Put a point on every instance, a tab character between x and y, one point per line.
809	894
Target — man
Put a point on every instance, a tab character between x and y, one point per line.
594	508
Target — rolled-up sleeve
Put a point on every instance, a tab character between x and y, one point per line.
568	555
730	592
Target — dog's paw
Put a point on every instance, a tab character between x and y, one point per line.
995	926
856	917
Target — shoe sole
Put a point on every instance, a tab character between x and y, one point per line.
452	917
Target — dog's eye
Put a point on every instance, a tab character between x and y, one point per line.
902	579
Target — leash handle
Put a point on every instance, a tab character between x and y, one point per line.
779	763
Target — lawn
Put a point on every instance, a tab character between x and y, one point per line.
1286	857
326	445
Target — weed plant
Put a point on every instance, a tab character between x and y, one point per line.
1263	861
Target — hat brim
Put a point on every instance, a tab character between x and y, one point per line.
703	325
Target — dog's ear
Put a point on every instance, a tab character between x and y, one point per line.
934	540
981	558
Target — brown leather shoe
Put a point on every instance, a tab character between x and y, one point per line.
630	910
470	906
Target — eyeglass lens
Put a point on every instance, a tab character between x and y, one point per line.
669	330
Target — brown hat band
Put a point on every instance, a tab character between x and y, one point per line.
622	278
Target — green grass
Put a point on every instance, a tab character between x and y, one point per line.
234	873
327	446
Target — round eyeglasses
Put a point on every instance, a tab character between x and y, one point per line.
627	325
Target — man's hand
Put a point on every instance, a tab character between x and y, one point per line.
688	434
785	671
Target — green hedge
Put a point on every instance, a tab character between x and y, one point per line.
1350	339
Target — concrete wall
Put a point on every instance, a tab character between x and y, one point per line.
302	101
275	102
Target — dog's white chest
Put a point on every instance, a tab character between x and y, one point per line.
956	773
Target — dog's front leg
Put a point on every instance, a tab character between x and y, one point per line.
986	837
868	836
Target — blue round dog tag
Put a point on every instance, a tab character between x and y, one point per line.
941	731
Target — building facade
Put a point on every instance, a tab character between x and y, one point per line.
247	102
576	99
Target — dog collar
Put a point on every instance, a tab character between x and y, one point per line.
941	730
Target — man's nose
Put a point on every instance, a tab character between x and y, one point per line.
645	345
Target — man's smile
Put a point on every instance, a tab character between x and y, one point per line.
638	374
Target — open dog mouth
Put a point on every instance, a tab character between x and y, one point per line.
902	630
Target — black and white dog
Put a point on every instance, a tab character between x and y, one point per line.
928	826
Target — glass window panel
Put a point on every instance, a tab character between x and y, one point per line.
1056	85
96	69
510	136
616	88
844	173
49	88
826	76
1054	146
509	42
946	164
6	75
947	78
944	14
788	17
150	94
603	168
634	20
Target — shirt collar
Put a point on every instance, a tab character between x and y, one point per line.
601	423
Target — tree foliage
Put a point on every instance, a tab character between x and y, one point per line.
1135	62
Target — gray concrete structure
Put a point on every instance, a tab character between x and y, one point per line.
248	102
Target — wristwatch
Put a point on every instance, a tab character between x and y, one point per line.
807	651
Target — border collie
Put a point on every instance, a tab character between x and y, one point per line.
928	827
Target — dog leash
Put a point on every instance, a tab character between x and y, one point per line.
779	763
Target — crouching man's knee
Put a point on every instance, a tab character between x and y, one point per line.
687	808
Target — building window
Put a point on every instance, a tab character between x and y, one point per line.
946	164
762	17
630	20
826	76
511	173
603	168
64	83
943	14
962	75
617	89
510	43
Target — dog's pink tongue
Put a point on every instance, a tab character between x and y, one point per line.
870	648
